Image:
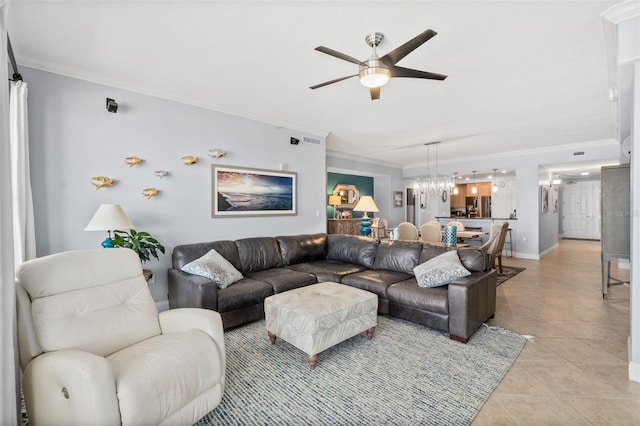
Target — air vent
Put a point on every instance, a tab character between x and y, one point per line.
575	154
307	139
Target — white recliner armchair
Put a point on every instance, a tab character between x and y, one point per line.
95	351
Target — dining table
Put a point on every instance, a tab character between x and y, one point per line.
465	236
468	235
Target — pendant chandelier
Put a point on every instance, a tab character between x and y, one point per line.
494	187
433	183
454	187
474	188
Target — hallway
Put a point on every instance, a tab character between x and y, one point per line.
575	370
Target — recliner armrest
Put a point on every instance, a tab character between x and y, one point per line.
184	319
72	387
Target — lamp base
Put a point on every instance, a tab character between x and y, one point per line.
107	243
365	226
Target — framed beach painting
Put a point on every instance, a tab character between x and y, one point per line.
240	191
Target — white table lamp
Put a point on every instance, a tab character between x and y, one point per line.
109	217
335	200
366	204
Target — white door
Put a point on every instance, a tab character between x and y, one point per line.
581	210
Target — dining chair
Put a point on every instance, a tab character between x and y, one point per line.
406	231
495	243
430	233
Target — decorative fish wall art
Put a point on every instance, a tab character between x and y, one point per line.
133	161
102	182
217	152
150	192
188	160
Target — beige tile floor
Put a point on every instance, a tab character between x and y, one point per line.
575	370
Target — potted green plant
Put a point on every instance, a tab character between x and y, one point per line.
140	242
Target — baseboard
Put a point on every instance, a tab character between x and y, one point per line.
634	371
526	256
551	249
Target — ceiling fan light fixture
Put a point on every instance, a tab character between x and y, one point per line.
374	73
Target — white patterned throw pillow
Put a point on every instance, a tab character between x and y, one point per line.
215	267
441	270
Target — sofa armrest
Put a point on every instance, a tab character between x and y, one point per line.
191	291
70	387
472	301
184	319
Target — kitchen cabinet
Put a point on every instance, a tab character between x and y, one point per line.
484	189
458	200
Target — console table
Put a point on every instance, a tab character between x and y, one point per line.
344	226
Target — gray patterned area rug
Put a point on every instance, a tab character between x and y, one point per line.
507	273
406	374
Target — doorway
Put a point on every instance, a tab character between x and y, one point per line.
581	210
411	206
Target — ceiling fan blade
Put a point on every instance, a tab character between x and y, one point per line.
375	93
337	54
408	72
326	83
398	53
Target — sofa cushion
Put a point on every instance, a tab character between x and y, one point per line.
302	248
215	267
328	270
374	280
352	249
429	251
440	270
408	293
186	253
258	254
399	256
245	292
282	279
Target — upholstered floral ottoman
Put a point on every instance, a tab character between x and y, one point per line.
318	316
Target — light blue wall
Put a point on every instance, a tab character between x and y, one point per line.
549	225
73	138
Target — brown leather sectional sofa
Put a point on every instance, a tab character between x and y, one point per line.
275	264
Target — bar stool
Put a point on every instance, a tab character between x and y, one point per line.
508	241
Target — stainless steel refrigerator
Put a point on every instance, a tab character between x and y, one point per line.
485	206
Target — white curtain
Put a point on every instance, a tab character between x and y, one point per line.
24	243
7	286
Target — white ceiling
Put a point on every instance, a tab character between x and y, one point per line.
522	74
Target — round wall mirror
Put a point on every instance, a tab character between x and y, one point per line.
349	195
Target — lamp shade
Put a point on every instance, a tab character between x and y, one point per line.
109	217
335	200
366	204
